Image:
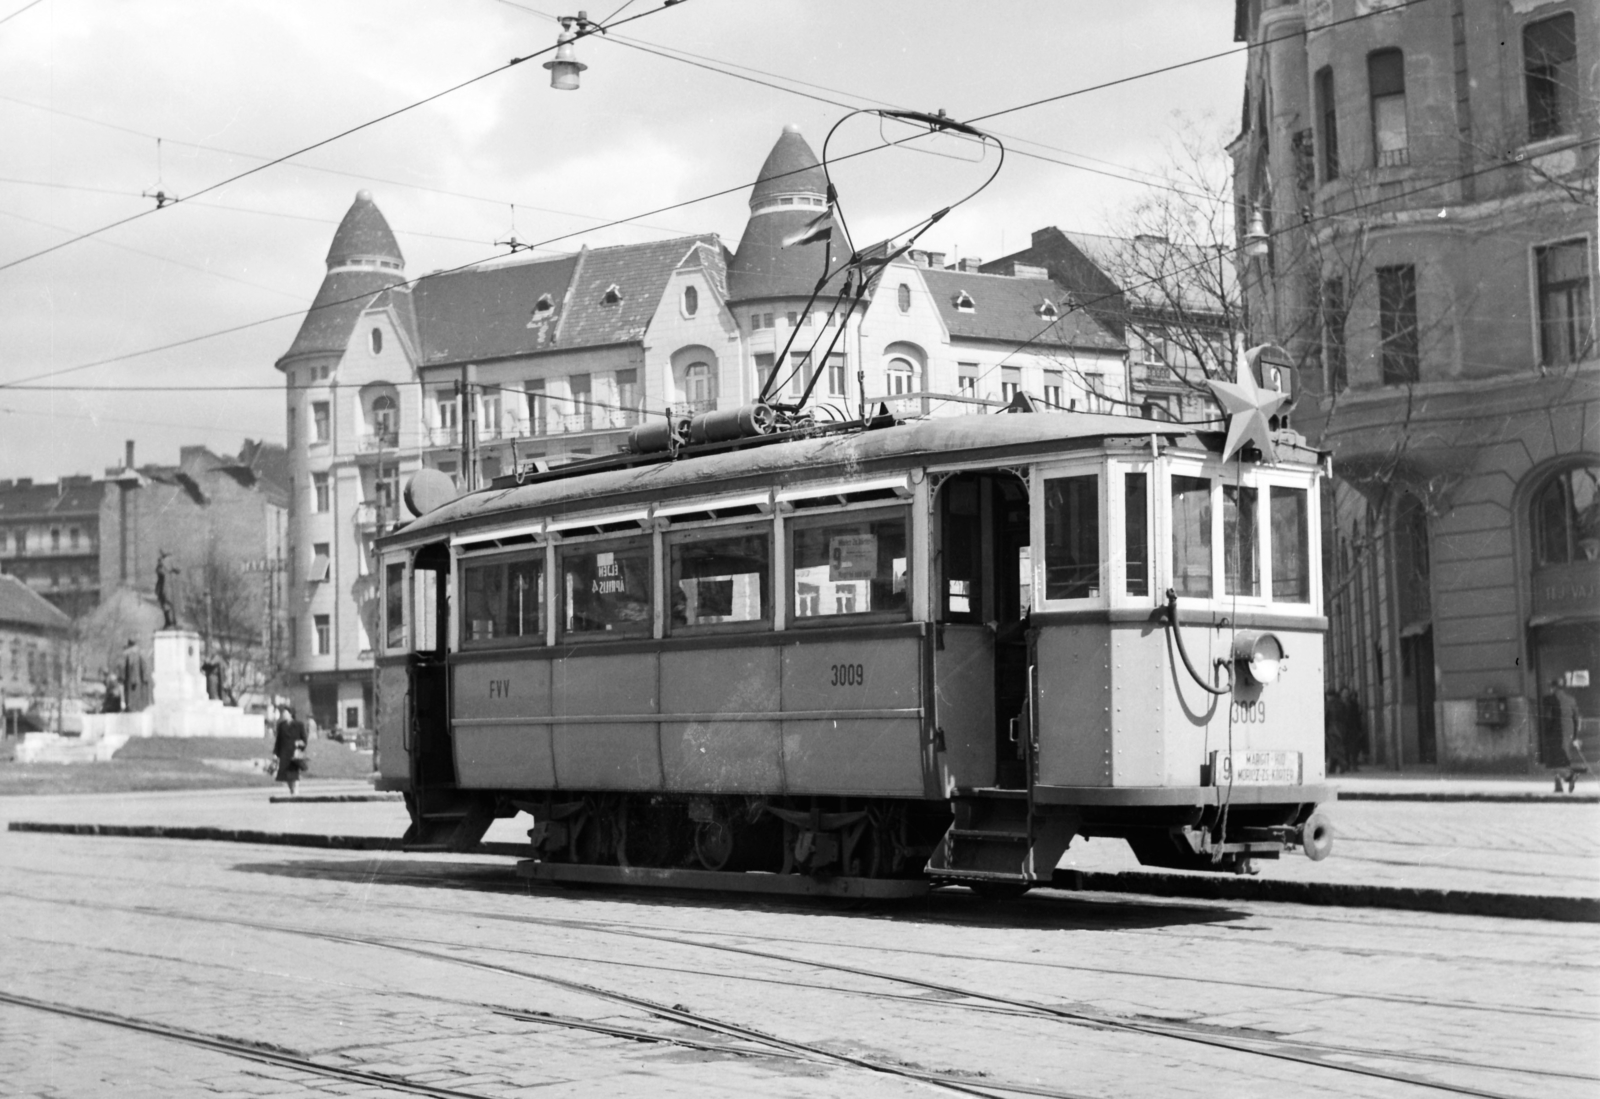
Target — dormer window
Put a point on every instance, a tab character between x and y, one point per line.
965	303
612	296
1047	310
541	309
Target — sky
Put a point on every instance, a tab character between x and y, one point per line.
88	86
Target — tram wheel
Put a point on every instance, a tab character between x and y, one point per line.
714	843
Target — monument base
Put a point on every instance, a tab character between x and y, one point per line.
181	706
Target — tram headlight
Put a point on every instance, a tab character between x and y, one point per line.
1259	654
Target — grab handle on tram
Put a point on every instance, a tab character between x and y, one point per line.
1177	635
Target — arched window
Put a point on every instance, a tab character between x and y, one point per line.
691	301
700	387
1566	518
902	376
375	341
904	295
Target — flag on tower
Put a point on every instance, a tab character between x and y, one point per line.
818	228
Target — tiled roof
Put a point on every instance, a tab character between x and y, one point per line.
1008	309
364	233
20	605
340	302
764	268
51	499
489	312
639	272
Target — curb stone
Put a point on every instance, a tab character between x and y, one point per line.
1457	902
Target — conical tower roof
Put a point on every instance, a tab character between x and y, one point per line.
791	169
363	262
364	235
789	193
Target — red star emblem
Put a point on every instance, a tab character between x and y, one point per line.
1248	407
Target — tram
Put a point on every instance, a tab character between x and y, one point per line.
866	657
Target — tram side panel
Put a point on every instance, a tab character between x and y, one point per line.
963	683
721	745
501	724
392	718
1073	706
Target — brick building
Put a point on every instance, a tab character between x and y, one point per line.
1416	200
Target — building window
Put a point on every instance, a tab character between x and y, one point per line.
385	420
319	492
1566	324
446	415
1550	74
490	415
902	377
292	637
967	379
352	717
612	296
755	322
1010	382
763	371
55	539
375	341
1335	311
793	319
1397	324
1052	388
1566	518
1386	83
699	387
965	303
903	294
691	301
836	379
319	421
1047	310
628	394
324	634
578	385
1328	116
538	417
321	563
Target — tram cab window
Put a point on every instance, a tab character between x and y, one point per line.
503	600
1136	531
606	589
1191	536
719	577
1291	544
394	606
1241	571
962	551
850	564
1072	537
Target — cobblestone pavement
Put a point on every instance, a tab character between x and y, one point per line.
425	971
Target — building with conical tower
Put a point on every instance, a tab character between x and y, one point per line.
485	369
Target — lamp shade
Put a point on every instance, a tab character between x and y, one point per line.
565	66
1256	242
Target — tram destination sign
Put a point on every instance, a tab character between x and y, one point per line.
1256	768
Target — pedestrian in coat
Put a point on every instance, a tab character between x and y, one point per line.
289	746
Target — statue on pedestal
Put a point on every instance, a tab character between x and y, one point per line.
169	618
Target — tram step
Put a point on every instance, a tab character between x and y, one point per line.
988	836
454	826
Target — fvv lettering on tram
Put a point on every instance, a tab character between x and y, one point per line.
499	688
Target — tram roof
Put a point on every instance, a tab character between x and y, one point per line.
846	456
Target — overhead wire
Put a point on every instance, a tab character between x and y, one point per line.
19	11
348	131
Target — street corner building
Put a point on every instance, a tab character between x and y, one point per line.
531	359
1416	205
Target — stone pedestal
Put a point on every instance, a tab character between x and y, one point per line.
180	706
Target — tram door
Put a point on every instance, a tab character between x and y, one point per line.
985	579
432	759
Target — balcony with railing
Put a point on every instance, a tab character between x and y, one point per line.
373	441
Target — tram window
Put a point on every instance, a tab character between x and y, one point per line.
1136	531
394	606
503	600
962	550
607	589
720	577
1191	536
425	611
1291	545
1072	537
843	565
1241	561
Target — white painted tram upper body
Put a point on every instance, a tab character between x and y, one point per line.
933	650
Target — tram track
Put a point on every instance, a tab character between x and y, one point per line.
1265	1046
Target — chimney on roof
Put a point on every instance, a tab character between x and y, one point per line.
967	263
24	482
127	459
1028	271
